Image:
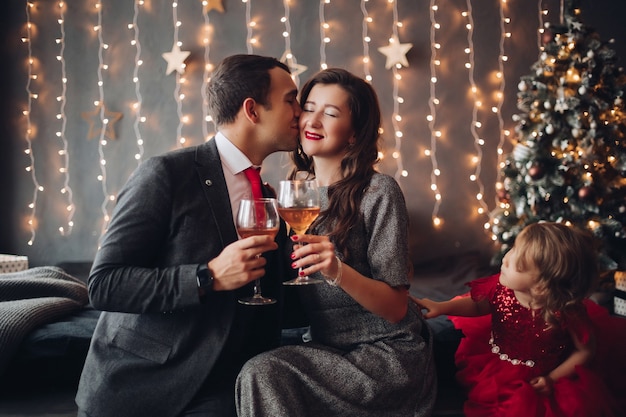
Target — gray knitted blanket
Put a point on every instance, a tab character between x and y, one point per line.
31	298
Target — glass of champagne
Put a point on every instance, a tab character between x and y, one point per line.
257	217
299	206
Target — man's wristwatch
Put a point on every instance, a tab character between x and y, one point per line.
205	280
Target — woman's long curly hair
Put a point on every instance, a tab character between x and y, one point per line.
357	166
566	260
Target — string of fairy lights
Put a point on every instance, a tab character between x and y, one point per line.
66	190
367	19
180	80
99	103
288	56
396	117
540	31
138	62
324	38
208	67
250	25
433	102
497	109
476	124
30	128
326	34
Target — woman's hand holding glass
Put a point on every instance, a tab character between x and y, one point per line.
318	255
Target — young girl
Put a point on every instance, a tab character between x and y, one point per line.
534	354
371	351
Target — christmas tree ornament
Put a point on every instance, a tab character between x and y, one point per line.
586	193
563	54
536	171
521	152
503	196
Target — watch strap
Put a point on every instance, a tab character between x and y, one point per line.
204	279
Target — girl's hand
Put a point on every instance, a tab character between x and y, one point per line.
542	384
317	255
431	307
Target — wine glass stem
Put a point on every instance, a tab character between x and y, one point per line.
257	287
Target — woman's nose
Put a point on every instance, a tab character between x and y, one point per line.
314	120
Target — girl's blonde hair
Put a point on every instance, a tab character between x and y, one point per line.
566	261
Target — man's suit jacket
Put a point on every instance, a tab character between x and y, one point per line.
155	343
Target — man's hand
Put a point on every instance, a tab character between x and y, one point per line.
240	262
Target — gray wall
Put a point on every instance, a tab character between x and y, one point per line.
462	230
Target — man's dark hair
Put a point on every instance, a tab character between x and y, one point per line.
236	78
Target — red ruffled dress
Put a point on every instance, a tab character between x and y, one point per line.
504	350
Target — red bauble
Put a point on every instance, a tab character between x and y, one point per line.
546	37
536	171
503	196
586	193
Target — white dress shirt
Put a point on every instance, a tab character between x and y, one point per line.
234	162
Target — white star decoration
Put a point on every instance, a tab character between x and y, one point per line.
295	68
175	59
395	52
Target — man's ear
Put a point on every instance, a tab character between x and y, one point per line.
249	108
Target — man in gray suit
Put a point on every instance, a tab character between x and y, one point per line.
172	336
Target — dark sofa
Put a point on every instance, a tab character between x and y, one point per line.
53	353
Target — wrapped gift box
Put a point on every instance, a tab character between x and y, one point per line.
619	302
13	263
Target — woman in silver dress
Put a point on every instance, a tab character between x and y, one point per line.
370	352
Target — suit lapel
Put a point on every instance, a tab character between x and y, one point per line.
268	190
211	176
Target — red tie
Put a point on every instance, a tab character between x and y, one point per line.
253	176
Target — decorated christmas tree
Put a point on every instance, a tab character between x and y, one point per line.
569	161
